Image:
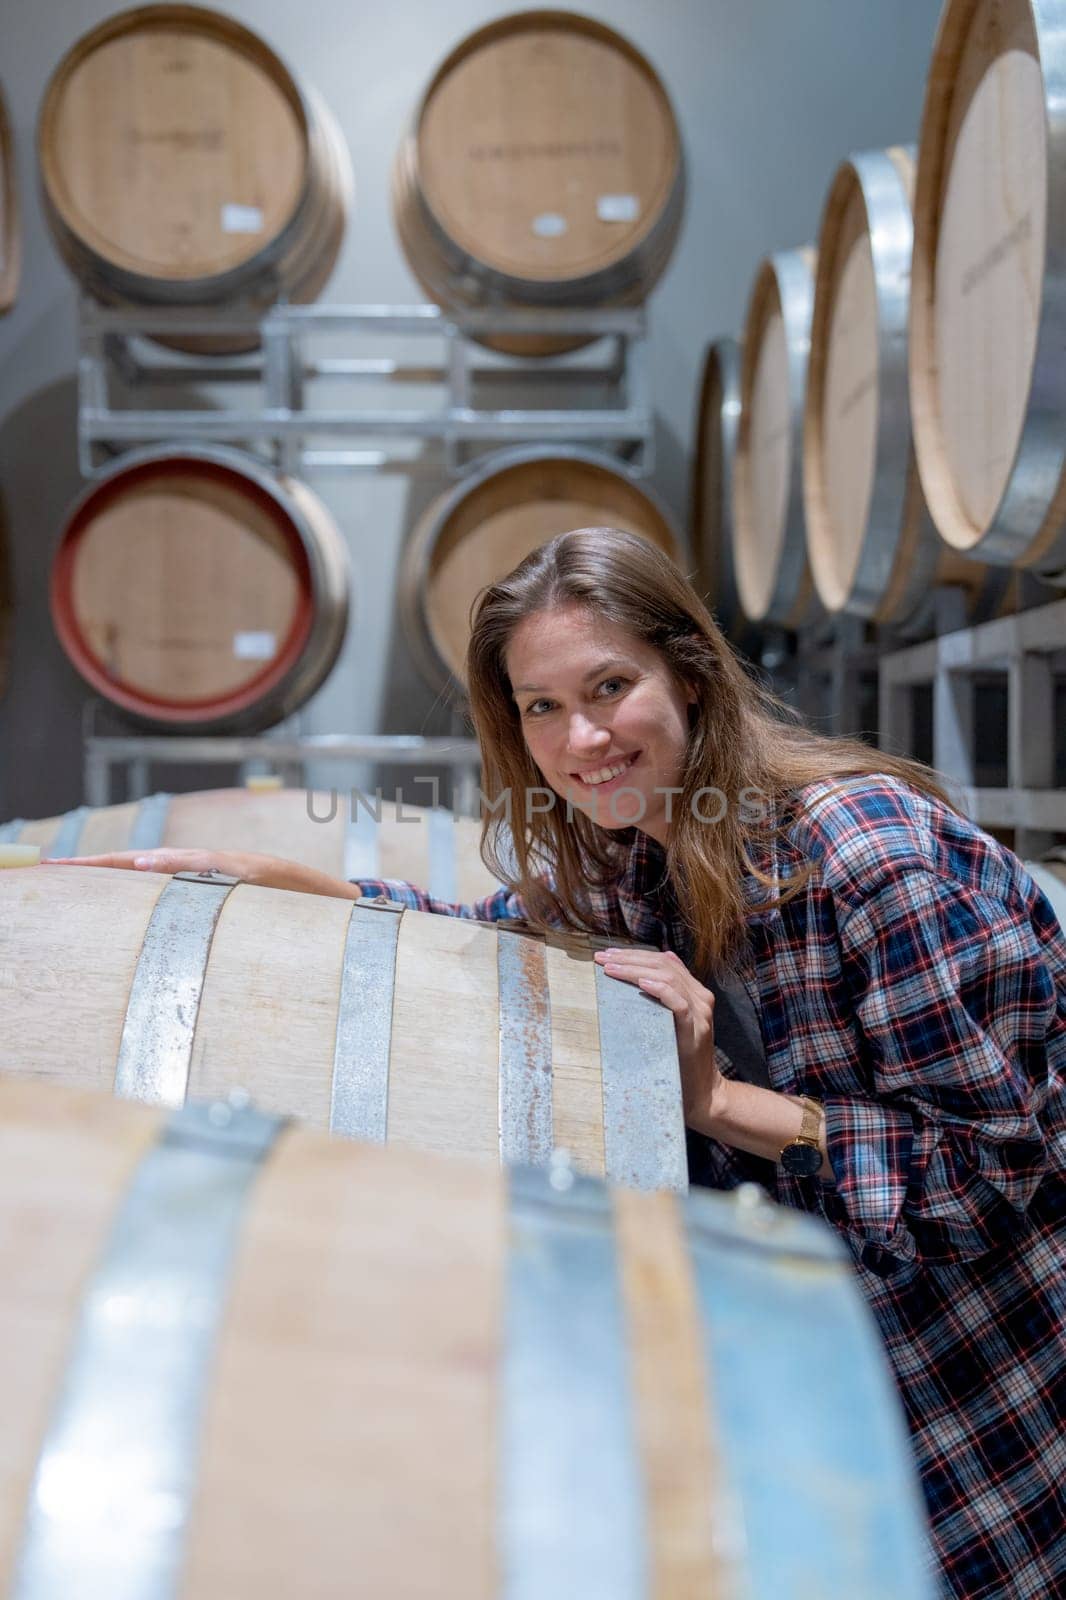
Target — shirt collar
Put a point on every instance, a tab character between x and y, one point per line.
644	888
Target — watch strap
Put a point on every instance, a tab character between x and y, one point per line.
811	1125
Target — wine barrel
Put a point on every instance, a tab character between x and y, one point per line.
711	500
441	1032
988	386
182	165
197	591
769	555
872	546
543	168
480	530
10	215
350	834
489	1386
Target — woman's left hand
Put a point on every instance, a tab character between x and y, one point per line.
664	976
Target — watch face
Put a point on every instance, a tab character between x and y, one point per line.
801	1160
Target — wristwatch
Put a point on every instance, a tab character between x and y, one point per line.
802	1156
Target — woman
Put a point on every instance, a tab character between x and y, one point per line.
908	977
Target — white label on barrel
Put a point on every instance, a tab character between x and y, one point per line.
242	219
254	646
550	225
618	208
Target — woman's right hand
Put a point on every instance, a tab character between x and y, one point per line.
268	872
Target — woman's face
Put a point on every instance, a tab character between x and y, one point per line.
602	716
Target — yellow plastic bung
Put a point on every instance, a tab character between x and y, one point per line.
263	780
19	855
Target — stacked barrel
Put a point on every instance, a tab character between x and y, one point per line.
182	164
901	396
543	167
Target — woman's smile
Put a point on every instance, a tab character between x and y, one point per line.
607	777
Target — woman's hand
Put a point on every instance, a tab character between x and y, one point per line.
269	872
664	975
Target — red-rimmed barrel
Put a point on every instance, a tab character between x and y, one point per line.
198	592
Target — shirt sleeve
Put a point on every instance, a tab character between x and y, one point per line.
502	906
955	999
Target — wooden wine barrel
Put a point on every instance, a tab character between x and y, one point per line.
769	554
181	164
479	531
10	215
988	385
872	546
440	1032
543	168
714	455
350	834
475	1385
197	591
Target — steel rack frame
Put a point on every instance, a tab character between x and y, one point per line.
1029	649
296	436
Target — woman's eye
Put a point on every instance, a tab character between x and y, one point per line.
613	685
536	708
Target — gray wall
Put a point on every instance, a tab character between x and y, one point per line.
771	95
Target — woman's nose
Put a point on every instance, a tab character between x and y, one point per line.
584	735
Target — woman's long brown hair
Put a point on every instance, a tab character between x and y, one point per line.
742	738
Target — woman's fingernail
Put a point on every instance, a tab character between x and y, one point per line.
142	861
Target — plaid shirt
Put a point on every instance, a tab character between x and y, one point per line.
917	988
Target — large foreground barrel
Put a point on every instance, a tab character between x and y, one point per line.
872	546
543	168
10	215
769	548
181	164
480	530
988	382
714	460
433	1031
348	833
241	1363
198	591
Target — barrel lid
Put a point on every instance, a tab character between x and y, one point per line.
224	607
173	144
547	147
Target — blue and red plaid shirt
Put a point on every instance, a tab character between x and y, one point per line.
917	988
